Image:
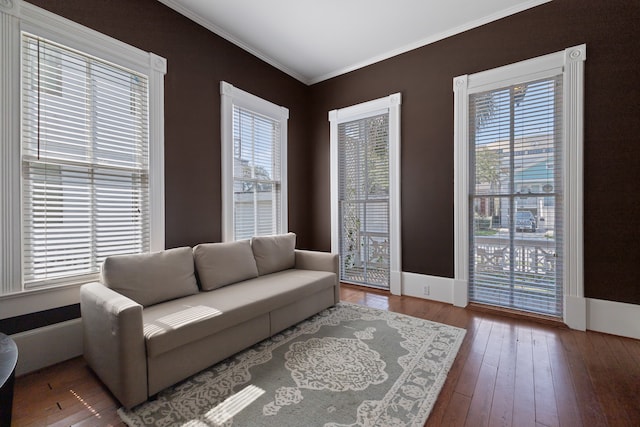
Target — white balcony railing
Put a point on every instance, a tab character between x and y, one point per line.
519	274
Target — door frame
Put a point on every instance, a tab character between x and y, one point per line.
388	104
569	62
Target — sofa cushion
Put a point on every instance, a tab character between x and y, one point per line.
221	264
274	253
151	278
176	323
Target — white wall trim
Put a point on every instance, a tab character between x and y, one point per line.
54	27
10	258
542	67
390	104
460	292
573	85
226	156
49	345
157	69
252	102
460	190
611	317
334	188
433	288
575	312
395	235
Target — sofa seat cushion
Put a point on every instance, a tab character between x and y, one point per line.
176	323
279	289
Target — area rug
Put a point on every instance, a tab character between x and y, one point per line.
349	365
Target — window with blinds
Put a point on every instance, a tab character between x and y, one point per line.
363	192
85	162
256	174
516	200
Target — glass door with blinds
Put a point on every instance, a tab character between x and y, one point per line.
363	193
516	200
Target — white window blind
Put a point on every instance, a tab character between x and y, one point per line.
85	162
516	199
256	174
363	191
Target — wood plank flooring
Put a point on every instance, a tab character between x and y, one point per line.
509	372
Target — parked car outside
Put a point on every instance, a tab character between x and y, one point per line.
525	221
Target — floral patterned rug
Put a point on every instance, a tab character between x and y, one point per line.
347	366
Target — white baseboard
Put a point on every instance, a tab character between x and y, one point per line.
616	318
47	346
428	287
610	317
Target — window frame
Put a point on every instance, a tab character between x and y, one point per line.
570	63
17	16
391	105
231	96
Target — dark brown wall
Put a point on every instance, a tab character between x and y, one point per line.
424	77
197	61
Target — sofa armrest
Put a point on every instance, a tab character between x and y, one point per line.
321	261
114	344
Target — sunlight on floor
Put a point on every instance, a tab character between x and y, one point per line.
229	408
89	407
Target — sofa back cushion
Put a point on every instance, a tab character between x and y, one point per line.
221	264
274	253
151	278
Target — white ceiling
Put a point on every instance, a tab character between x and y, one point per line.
316	40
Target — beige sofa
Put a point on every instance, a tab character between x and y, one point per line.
158	318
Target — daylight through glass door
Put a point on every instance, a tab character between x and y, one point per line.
363	147
516	197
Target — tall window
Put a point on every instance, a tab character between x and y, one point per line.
518	159
516	196
82	161
365	227
254	134
85	162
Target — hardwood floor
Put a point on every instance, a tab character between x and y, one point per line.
509	372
